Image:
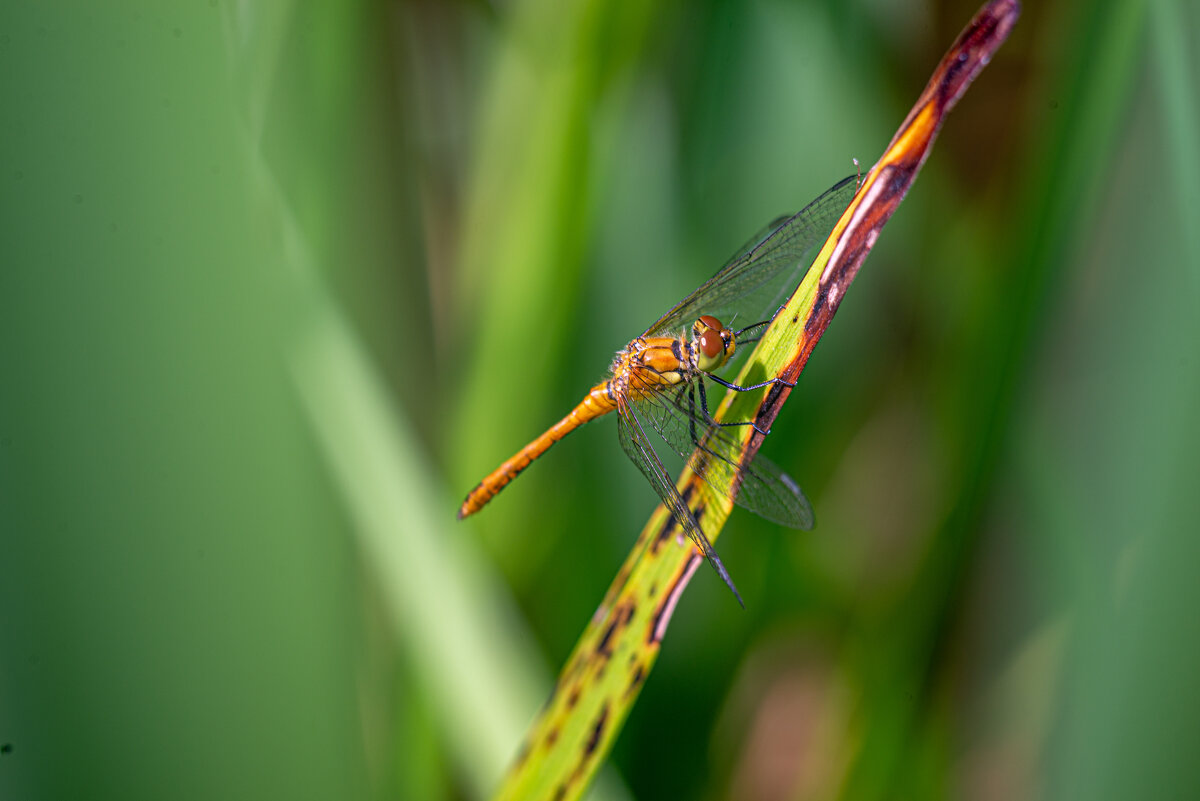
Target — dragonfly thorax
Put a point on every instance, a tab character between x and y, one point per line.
712	342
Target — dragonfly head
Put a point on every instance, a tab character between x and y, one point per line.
713	342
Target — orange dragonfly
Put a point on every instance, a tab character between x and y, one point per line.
656	383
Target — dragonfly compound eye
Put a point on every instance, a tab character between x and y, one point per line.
711	344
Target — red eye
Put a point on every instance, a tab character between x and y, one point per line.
710	341
711	322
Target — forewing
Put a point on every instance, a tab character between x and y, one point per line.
715	454
637	447
753	284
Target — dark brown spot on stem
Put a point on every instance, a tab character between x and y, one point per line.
635	681
602	646
597	731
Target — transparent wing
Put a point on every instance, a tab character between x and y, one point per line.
755	282
637	446
714	453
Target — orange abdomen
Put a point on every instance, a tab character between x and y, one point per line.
596	403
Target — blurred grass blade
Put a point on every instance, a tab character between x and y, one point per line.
449	612
447	608
446	605
1169	29
601	679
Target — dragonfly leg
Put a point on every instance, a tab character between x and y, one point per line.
744	389
709	417
736	388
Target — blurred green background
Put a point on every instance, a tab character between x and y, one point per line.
279	282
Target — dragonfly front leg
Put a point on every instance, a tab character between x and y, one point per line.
736	388
704	400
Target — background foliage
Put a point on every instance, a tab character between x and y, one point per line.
279	282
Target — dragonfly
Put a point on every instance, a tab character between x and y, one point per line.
656	383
